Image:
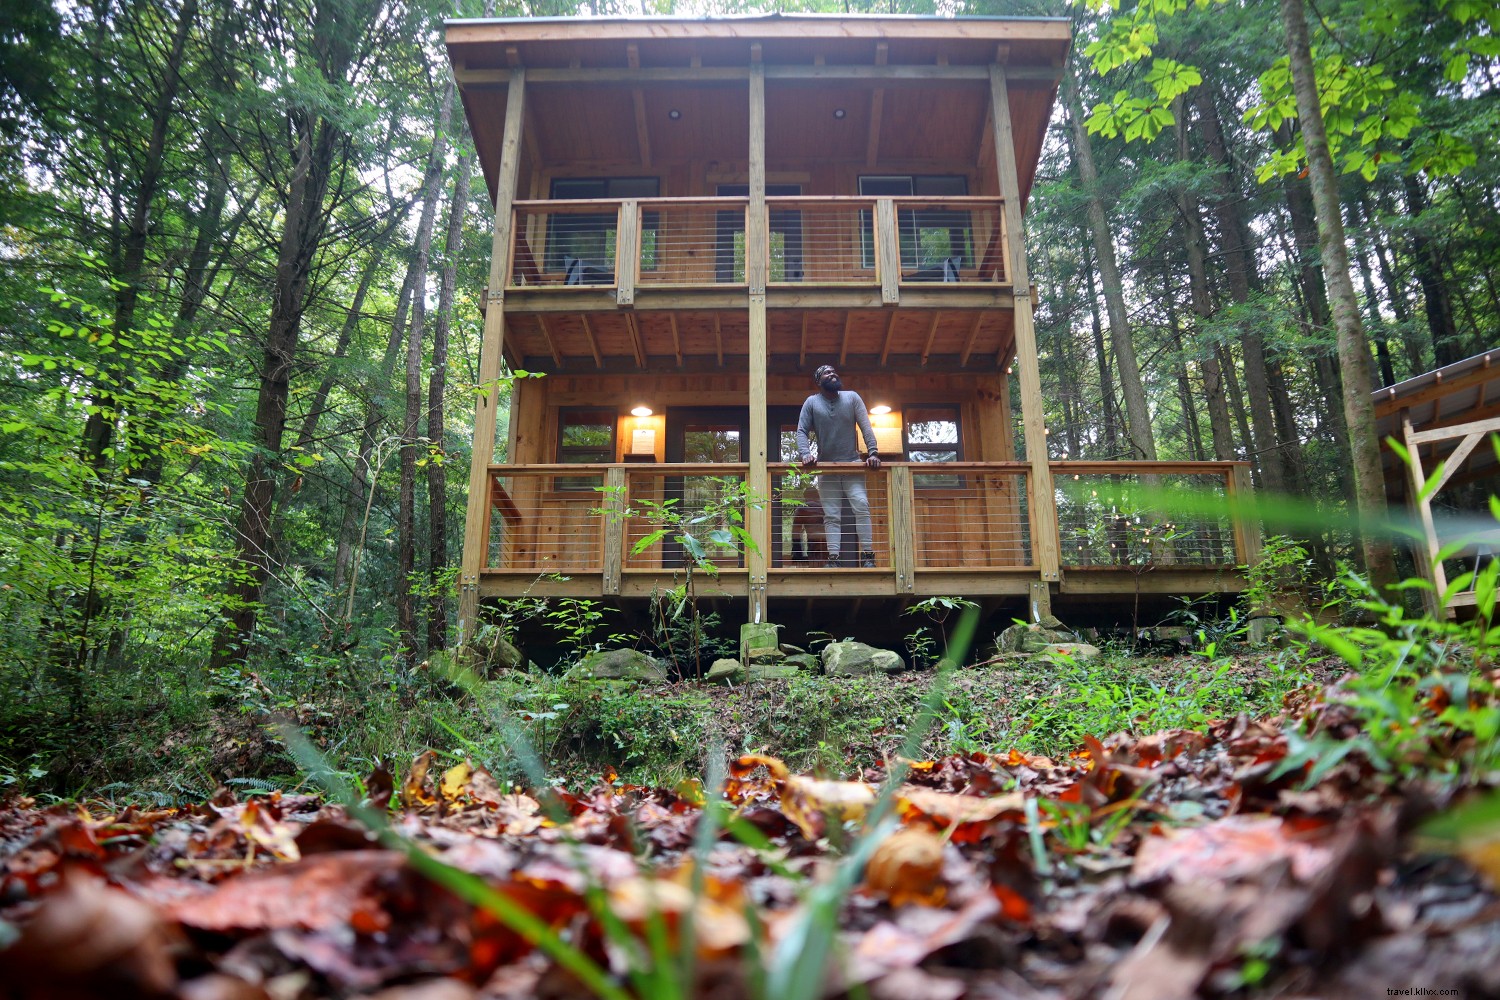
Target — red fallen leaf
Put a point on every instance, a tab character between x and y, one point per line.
1167	744
1230	848
88	940
323	891
380	786
1013	906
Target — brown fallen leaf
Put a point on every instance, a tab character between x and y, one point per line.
907	867
415	793
810	802
323	891
89	940
1230	848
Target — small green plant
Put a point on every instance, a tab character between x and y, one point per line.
938	609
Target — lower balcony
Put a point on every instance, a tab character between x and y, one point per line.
971	529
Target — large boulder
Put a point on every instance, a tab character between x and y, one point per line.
848	659
1076	651
725	671
490	652
801	662
1033	638
619	665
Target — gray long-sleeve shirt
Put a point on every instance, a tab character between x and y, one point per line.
832	422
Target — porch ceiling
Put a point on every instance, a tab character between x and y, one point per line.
710	339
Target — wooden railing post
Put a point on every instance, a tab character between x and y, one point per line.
887	251
1247	531
491	349
615	502
903	528
627	252
757	264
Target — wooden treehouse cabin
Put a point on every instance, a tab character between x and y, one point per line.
691	216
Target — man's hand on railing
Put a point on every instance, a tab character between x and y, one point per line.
810	462
873	461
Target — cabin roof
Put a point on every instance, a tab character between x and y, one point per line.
1460	393
924	117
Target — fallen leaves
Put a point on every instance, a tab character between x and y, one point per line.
1179	864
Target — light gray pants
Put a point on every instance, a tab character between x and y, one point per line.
833	490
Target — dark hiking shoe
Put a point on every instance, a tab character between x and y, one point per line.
867	560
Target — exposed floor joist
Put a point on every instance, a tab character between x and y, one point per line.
635	339
593	342
719	338
541	321
963	361
890	330
932	328
676	339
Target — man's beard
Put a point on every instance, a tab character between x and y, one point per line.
833	385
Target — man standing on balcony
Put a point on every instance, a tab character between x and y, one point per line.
831	415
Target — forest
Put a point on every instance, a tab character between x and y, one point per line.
245	246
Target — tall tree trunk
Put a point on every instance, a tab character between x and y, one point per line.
1239	266
1354	352
317	141
406	517
1395	290
437	386
1137	413
1427	259
1185	401
1197	261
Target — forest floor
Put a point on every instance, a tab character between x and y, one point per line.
1330	836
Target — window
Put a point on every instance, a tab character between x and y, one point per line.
584	437
930	435
589	238
928	236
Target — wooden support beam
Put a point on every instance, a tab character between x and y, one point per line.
614	527
1043	500
903	529
1247	527
719	338
635	339
638	98
492	347
963	361
802	343
541	321
627	252
588	331
887	252
844	345
757	259
877	109
890	331
676	338
1425	552
932	329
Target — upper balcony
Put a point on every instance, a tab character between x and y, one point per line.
635	283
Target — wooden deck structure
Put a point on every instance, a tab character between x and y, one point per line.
1443	418
690	216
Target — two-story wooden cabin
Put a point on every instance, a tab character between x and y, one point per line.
691	216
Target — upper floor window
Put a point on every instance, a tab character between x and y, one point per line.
585	242
585	437
928	236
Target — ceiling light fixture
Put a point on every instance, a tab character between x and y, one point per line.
879	409
674	114
839	112
641	411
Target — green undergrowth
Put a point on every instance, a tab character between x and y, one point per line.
166	746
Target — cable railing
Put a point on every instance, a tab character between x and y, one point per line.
701	242
675	516
1163	515
970	515
802	534
546	519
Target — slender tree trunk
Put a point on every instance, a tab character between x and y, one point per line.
1101	356
1185	401
1427	259
1137	413
1395	290
406	517
1236	394
1354	352
437	386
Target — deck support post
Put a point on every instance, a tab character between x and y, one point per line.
614	527
757	262
491	351
1043	503
1425	551
903	529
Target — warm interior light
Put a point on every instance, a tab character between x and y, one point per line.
641	411
880	408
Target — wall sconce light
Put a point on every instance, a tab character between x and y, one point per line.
839	112
641	411
880	408
674	114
